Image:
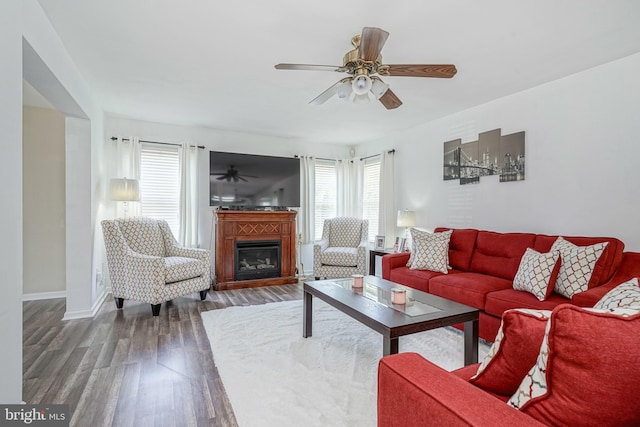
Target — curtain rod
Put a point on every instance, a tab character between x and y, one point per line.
361	158
113	138
374	155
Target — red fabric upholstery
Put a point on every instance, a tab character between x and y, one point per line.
628	269
461	246
413	392
501	301
417	279
392	261
592	370
499	254
522	335
489	326
467	288
607	263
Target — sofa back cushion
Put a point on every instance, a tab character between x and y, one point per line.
499	254
461	246
607	263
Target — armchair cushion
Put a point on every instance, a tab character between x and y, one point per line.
347	257
180	268
345	232
143	236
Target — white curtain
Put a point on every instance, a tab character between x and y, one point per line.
188	195
306	215
349	188
128	166
387	209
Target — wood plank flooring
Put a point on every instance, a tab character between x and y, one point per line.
128	368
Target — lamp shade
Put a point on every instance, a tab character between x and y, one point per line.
124	190
406	218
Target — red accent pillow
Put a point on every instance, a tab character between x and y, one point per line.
514	351
587	371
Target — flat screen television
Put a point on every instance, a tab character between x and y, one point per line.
249	181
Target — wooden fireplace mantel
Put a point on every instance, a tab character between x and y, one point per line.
232	226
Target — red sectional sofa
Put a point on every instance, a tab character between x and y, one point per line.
483	265
414	392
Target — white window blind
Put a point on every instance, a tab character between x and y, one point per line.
160	183
326	193
371	196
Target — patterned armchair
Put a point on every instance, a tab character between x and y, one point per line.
147	264
343	248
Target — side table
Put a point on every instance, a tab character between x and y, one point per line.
372	258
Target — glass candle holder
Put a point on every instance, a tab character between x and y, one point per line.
358	280
398	296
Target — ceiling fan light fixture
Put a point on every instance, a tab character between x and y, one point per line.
378	88
360	99
361	84
344	90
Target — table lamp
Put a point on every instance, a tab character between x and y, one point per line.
124	190
406	219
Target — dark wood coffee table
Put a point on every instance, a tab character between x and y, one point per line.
371	305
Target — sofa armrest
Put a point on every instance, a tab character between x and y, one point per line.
590	297
391	261
414	392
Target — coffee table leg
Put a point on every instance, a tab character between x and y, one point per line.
470	342
389	346
307	313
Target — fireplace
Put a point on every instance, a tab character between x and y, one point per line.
236	229
257	259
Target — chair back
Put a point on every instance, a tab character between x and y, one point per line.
143	235
346	232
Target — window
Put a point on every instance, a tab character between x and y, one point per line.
326	194
160	183
371	196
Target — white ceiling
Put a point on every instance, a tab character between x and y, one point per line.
210	63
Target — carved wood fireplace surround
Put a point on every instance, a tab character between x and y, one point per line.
246	226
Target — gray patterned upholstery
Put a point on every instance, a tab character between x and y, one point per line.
147	264
343	248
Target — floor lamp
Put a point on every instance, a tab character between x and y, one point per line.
124	190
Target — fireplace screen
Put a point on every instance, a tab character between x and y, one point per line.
257	259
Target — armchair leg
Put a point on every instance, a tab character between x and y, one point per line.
155	309
203	295
119	302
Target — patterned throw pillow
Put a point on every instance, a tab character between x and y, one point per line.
537	273
514	351
625	295
417	234
577	266
431	252
587	357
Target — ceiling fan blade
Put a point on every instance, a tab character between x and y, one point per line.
324	96
371	43
309	67
221	178
445	71
390	100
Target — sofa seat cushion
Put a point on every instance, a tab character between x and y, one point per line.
467	288
499	254
416	279
342	256
500	301
178	268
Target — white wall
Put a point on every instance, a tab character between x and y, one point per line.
216	140
582	154
49	68
11	213
43	201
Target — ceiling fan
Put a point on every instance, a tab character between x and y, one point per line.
363	63
232	174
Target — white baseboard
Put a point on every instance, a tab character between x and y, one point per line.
82	314
44	295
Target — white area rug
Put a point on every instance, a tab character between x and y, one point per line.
275	377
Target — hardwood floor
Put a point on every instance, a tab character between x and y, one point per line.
128	368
